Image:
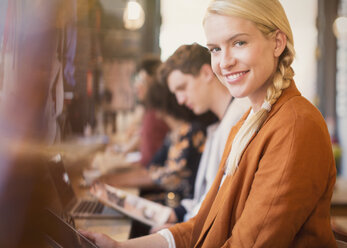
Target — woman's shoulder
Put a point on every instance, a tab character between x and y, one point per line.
299	115
299	108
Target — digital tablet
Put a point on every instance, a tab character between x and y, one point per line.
59	233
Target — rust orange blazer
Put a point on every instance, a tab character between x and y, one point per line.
280	194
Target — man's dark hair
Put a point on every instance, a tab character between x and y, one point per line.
188	59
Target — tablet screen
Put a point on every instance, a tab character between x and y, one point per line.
61	234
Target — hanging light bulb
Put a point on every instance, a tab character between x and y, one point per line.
134	16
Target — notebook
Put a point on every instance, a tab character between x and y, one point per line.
60	234
73	206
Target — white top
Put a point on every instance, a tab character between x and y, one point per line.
217	136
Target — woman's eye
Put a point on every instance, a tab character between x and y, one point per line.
240	43
214	49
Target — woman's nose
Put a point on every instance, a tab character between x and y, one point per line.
227	60
180	98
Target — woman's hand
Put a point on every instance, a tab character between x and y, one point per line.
170	222
101	240
172	218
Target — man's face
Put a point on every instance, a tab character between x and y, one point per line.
189	90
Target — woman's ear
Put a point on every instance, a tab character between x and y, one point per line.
281	43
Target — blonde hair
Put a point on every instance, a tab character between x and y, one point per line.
269	16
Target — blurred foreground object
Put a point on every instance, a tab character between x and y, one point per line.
24	193
31	68
31	87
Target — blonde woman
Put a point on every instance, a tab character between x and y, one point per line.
277	174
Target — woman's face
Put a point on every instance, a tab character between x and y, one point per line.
141	83
243	59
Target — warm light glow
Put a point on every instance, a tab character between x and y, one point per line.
134	10
340	27
134	16
171	195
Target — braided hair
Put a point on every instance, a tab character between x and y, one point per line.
269	16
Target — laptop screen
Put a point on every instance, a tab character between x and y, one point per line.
62	182
60	234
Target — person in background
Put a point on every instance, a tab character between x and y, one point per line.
189	75
277	173
149	133
173	168
175	164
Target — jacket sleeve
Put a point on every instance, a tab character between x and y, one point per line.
295	172
182	233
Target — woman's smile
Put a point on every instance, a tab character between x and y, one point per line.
235	77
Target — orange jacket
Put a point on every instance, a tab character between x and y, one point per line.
280	194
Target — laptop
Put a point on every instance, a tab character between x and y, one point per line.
73	206
59	234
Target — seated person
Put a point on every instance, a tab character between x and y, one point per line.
146	135
175	165
189	75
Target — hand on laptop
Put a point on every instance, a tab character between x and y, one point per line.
101	240
170	222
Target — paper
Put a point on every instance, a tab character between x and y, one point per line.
145	211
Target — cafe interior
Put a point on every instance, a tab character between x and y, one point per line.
71	117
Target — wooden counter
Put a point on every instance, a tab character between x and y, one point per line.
77	157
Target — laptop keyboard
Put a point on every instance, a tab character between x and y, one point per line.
85	206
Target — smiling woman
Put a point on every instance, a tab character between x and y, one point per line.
268	161
246	59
